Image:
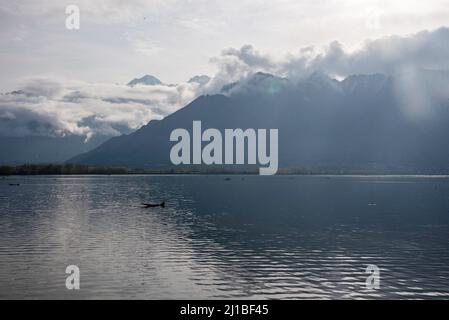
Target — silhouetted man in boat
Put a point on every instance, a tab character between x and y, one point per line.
150	205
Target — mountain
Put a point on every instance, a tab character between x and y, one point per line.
364	121
146	80
42	149
201	80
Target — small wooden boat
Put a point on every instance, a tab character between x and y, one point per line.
154	205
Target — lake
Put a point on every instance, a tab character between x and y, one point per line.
230	237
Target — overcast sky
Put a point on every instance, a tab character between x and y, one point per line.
176	39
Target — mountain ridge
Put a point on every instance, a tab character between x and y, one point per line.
359	121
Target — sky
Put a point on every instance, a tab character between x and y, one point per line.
74	81
176	39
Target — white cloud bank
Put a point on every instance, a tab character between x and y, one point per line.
57	107
388	55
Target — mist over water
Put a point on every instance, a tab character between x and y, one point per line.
247	237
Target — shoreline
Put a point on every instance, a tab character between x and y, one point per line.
73	170
330	175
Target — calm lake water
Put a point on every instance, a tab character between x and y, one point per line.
248	237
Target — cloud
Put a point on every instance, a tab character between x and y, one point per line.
57	107
250	56
176	38
99	11
406	58
388	55
237	64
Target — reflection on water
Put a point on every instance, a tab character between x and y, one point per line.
247	237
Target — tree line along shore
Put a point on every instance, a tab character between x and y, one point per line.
77	169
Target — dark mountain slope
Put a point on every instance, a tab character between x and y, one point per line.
363	121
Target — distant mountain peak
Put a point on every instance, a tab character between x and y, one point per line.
259	82
146	80
364	82
320	77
